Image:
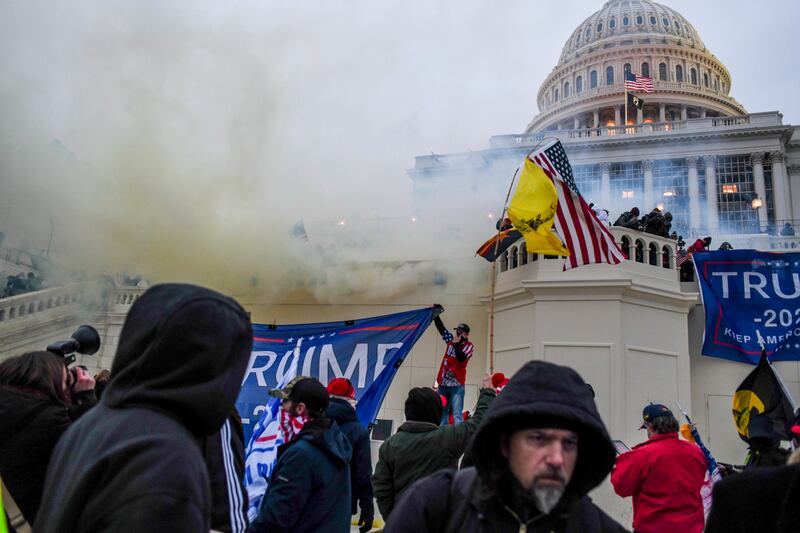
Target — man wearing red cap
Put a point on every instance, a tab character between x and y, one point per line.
453	370
341	409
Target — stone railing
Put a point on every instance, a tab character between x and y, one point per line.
120	300
695	124
638	247
35	304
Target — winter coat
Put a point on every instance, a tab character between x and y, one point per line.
133	463
224	456
459	502
664	475
419	449
309	490
361	464
763	500
490	502
32	424
627	220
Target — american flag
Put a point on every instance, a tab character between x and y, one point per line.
638	83
588	240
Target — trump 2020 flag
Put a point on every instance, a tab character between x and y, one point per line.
752	303
366	351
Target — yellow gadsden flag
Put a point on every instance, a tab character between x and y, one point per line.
533	209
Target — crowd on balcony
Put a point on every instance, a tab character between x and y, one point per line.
21	284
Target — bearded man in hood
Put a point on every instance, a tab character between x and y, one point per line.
540	449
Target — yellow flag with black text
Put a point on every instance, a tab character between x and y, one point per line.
533	209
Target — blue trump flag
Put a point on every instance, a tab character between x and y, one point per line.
752	300
367	351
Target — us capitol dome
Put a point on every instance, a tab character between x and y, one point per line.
649	39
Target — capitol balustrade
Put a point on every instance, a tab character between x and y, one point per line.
655	254
617	88
646	128
47	303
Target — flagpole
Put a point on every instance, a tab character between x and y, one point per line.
625	124
494	273
494	263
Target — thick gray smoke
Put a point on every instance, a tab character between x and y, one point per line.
184	141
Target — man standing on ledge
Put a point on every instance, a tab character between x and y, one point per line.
453	371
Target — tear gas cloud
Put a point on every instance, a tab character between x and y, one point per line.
183	141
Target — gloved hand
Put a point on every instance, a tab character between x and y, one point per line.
437	310
365	522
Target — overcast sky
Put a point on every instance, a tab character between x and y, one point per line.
247	114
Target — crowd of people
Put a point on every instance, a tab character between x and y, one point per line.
22	283
163	448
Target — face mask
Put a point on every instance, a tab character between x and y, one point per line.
291	425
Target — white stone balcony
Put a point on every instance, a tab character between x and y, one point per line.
654	128
651	266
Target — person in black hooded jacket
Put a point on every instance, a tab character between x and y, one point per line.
134	463
540	449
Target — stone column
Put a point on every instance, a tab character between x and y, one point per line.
662	112
649	203
596	119
780	189
757	160
576	123
684	112
605	185
617	116
694	195
639	116
711	194
702	112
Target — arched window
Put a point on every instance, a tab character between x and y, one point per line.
626	247
609	75
678	73
665	21
566	89
626	68
716	83
662	71
579	84
599	27
705	79
578	38
555	95
646	70
639	20
588	32
653	20
693	73
612	23
653	249
625	20
593	79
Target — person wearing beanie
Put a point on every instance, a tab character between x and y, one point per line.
453	371
309	489
540	449
342	410
421	446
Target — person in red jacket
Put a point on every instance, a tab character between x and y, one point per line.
453	370
664	476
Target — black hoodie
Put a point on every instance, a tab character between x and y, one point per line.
482	498
133	463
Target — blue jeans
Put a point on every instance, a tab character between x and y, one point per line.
455	403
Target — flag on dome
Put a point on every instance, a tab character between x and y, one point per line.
638	83
635	101
588	240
